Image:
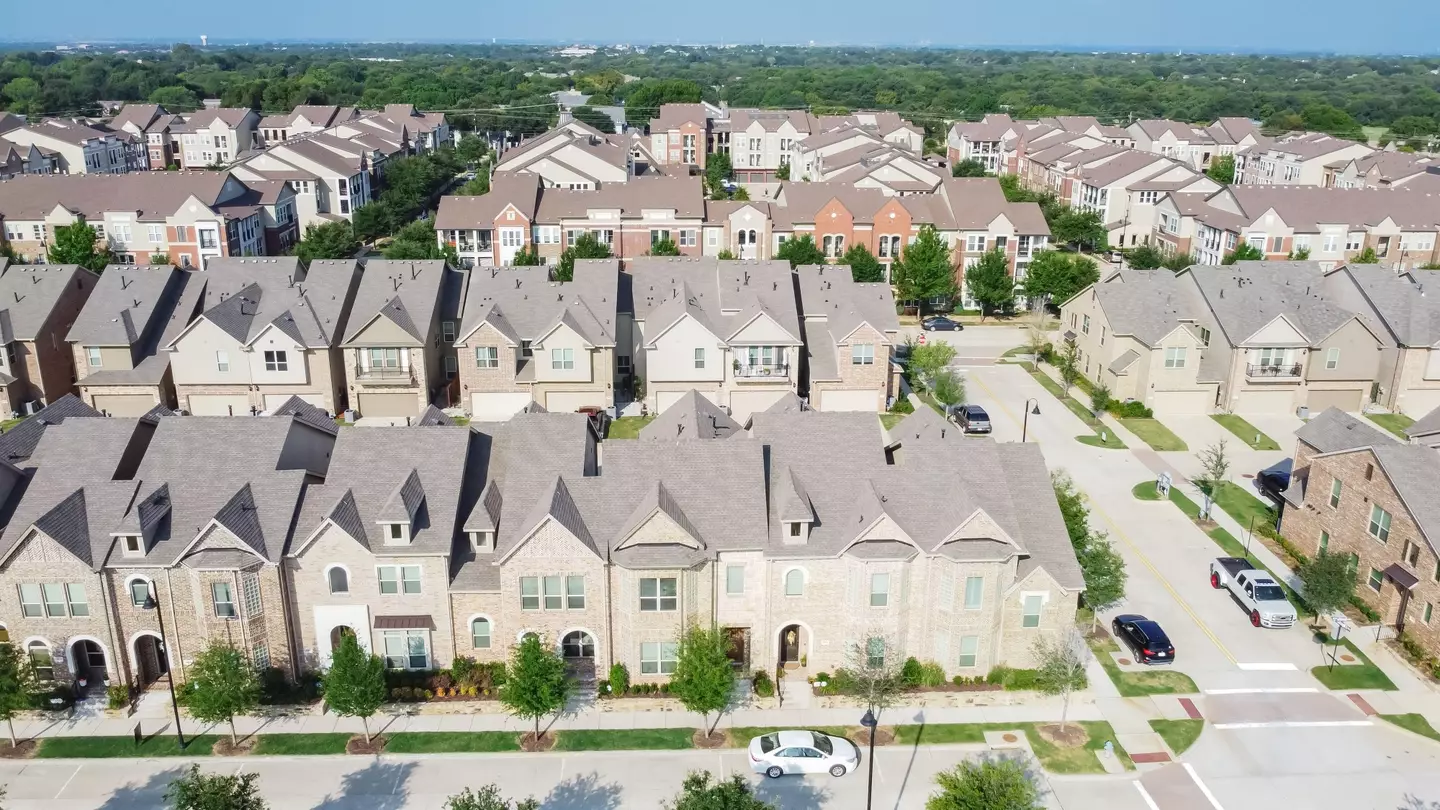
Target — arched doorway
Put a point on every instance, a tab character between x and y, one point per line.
87	663
151	660
792	646
577	647
338	634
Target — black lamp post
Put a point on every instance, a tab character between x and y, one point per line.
869	722
1025	426
151	604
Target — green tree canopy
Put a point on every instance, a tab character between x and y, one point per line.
1329	582
417	242
989	283
478	187
664	247
704	678
175	98
1145	257
487	798
355	682
1104	571
1075	227
968	168
17	681
999	784
925	272
926	362
79	244
196	790
863	264
223	684
372	221
701	791
1054	276
586	247
1243	252
1222	169
800	250
536	684
331	240
717	171
528	256
643	98
595	118
783	172
1366	256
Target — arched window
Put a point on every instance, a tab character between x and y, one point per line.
752	237
339	580
742	237
140	590
794	582
40	660
829	243
480	633
839	246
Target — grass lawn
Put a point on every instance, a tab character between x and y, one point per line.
647	739
1239	504
10	423
452	742
1179	734
1139	684
1155	434
163	745
1145	491
628	427
300	744
1111	442
1414	722
1052	758
1393	422
1246	431
926	398
890	420
1016	352
1353	676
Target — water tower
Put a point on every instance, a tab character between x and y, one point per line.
204	40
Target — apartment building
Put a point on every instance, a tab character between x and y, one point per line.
215	136
870	164
20	160
1359	494
680	134
328	176
118	341
1383	170
850	336
188	218
526	339
424	131
268	330
1409	376
1193	145
38	304
303	120
579	157
981	141
152	130
762	140
1299	159
747	229
73	147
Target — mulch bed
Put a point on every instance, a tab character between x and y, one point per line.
359	747
224	748
883	736
25	749
716	740
529	743
1072	735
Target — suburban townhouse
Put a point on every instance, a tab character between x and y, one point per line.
1141	220
680	134
577	156
1409	378
1333	225
215	136
18	160
118	341
1301	159
747	229
981	140
1193	145
893	170
74	147
761	141
728	329
398	344
38	304
1382	170
302	120
850	331
154	130
424	131
185	218
329	177
1357	493
524	338
267	330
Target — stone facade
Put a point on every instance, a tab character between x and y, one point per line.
877	376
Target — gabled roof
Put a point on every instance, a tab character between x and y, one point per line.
405	500
691	417
29	294
307	413
406	292
555	503
128	302
722	295
522	303
1333	431
433	416
244	297
1247	296
1400	300
834	305
19	442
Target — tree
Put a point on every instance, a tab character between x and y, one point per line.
528	256
332	240
205	791
17	681
1054	276
1366	256
873	665
701	791
988	281
1243	252
175	98
740	194
863	264
717	172
25	95
948	388
355	682
159	258
595	118
783	172
1104	571
800	250
1060	666
925	273
586	246
926	362
1143	257
78	243
1214	468
1072	509
478	187
471	148
416	242
372	221
223	684
1179	261
487	798
1068	364
1099	399
968	168
643	98
998	784
1298	254
536	684
704	679
1072	226
1222	169
1329	582
664	247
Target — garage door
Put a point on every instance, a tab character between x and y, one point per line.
1416	404
572	401
1348	401
219	404
864	400
389	405
273	401
744	403
1179	403
124	404
1266	401
496	407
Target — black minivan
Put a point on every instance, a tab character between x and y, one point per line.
973	419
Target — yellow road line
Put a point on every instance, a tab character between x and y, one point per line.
1095	507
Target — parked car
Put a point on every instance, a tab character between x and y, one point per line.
1256	591
1147	642
1274	480
599	418
973	419
783	752
940	323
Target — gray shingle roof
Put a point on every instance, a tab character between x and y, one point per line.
407	293
18	443
1247	296
834	305
432	416
1401	302
1414	471
1149	305
29	293
245	296
722	295
307	413
128	302
522	303
1334	430
1427	425
691	417
1124	361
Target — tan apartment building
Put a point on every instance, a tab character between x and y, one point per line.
526	339
680	134
1383	170
329	176
1300	159
1194	145
215	136
151	127
850	336
981	140
575	156
75	147
38	305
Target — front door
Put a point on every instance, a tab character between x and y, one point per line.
790	645
746	238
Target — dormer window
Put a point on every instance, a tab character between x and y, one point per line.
397	534
482	541
795	530
134	546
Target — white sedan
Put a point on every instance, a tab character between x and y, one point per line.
802	752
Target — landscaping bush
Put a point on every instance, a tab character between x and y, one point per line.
52	690
1364	608
1011	679
764	687
117	696
1130	410
977	680
619	678
931	675
910	673
902	405
277	690
997	674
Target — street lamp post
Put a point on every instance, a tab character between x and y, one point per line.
152	604
869	722
1025	426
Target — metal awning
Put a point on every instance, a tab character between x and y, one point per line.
420	622
1400	575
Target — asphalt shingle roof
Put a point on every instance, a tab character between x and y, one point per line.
689	418
1333	430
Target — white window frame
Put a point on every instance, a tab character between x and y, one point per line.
659	600
330	585
276	360
562	359
216	601
862	354
794	577
973	653
880	589
222	361
732	573
400	579
974	601
489	631
1332	357
1175	357
487	357
659	657
1379	524
409	652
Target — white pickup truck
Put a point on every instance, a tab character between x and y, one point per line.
1256	591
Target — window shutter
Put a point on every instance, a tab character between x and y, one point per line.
945	601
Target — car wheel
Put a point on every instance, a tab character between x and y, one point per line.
1255	617
774	772
1214	580
837	770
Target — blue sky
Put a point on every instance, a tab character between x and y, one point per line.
1377	26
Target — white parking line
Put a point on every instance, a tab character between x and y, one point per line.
1268	667
1295	724
1145	794
1286	690
71	779
1190	769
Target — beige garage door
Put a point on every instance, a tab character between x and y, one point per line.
1348	401
496	407
664	399
572	401
1180	403
389	405
1266	401
744	403
1416	404
273	401
219	404
124	404
863	400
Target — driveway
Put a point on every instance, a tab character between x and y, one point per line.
1200	432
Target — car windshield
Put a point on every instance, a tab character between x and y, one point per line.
769	743
1269	593
823	743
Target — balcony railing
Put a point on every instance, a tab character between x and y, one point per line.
379	374
762	370
1269	371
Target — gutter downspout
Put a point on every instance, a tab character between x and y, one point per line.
292	635
110	608
609	616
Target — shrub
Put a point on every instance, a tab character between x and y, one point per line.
910	673
620	678
442	681
997	675
932	675
763	686
117	696
902	405
428	694
1017	680
821	677
1130	410
1364	608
